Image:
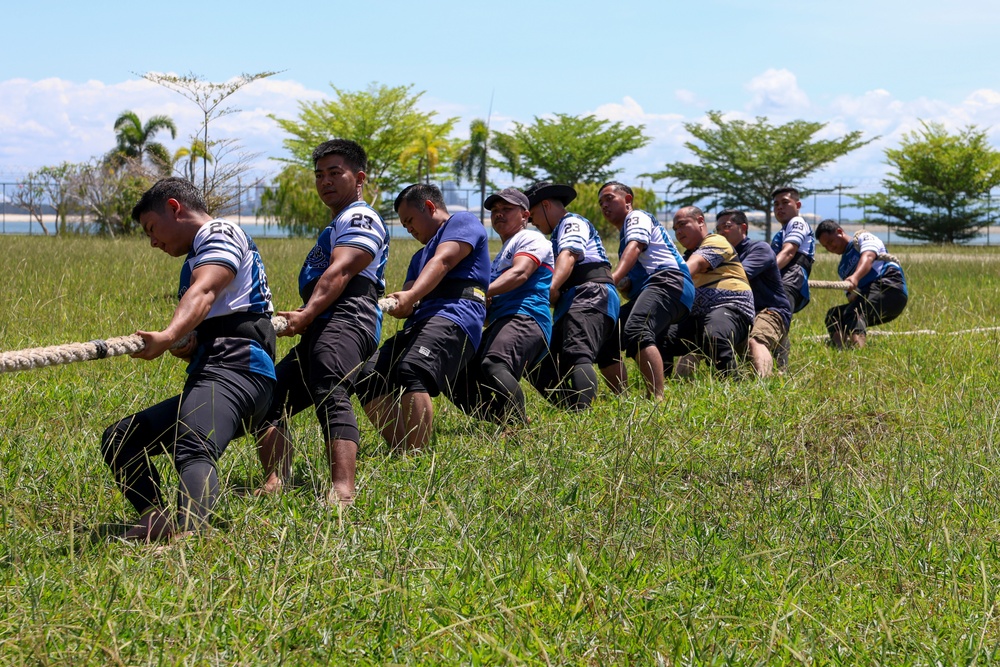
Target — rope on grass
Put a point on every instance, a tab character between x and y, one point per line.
917	332
54	355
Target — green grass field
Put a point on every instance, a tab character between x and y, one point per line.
847	512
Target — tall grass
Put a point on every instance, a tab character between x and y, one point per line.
843	513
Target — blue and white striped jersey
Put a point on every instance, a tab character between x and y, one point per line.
867	242
221	242
225	244
796	231
576	234
660	253
357	225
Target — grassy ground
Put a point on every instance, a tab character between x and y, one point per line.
844	513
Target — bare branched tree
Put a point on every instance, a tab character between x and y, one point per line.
209	96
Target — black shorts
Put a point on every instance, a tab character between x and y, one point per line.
642	320
719	333
578	335
515	341
883	301
320	371
795	280
430	352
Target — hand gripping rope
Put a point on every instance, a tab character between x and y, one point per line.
842	285
38	357
54	355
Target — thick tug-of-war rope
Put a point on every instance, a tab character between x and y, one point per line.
387	304
829	284
38	357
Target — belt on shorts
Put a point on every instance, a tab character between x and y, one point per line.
253	326
356	286
803	260
470	290
591	272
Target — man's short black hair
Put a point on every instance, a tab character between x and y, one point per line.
786	190
616	186
181	189
738	216
828	226
352	152
417	194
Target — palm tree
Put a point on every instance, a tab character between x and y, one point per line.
428	147
135	140
472	160
193	153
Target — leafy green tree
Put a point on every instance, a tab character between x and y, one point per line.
937	188
574	149
385	120
739	164
472	159
511	156
586	205
291	201
135	139
429	148
106	191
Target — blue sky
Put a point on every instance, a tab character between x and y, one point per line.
67	69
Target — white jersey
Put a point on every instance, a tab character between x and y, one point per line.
576	234
659	253
796	231
223	243
531	298
357	225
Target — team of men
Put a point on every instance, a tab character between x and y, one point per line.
726	296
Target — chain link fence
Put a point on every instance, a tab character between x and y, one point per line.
839	205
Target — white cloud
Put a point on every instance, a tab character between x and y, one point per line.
776	92
52	120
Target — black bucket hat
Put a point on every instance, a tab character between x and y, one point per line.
542	190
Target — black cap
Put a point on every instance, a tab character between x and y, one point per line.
543	190
509	195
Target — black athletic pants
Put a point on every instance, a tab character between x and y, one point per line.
216	405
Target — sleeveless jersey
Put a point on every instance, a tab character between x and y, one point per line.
531	298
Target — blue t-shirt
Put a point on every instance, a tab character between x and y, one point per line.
466	313
761	267
868	242
223	243
531	298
